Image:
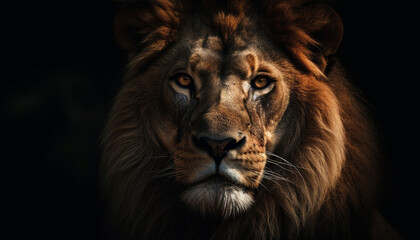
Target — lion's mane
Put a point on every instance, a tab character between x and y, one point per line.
326	134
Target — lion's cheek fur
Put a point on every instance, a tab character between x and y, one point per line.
324	135
317	132
166	133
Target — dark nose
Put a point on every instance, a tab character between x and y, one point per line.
217	149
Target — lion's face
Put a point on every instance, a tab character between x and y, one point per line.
237	109
224	108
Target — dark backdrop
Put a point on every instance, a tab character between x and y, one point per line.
63	69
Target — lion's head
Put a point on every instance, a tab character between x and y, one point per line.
234	115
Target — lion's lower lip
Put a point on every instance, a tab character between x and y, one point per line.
219	181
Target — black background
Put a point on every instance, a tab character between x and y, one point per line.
63	69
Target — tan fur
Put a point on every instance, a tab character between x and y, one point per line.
307	169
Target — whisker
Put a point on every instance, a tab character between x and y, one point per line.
161	171
285	162
262	185
272	181
279	164
274	176
168	171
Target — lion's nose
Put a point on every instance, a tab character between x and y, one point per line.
217	149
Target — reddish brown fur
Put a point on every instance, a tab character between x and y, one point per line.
324	132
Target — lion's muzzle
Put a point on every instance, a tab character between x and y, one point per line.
216	148
221	173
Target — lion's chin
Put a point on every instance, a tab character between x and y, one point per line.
218	197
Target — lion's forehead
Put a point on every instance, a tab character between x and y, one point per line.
210	57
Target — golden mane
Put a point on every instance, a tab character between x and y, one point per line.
327	134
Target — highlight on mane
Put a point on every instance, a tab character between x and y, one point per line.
306	168
228	20
153	29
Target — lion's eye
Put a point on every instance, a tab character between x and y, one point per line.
260	82
183	80
182	83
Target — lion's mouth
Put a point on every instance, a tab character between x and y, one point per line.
219	181
218	196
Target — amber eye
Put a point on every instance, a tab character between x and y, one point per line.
260	82
183	80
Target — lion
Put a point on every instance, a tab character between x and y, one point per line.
236	121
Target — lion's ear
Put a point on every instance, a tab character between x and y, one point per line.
146	23
129	23
310	33
326	27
